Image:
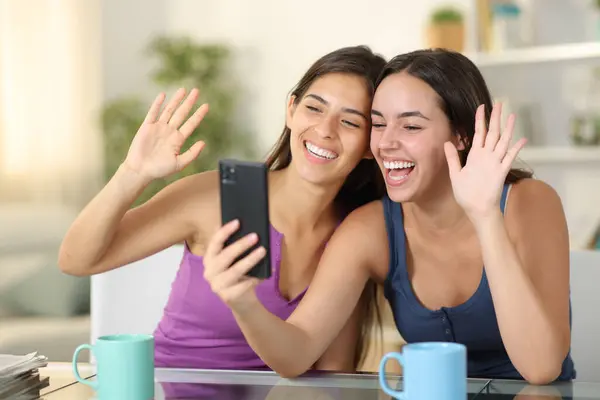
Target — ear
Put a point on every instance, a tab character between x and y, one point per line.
291	109
460	142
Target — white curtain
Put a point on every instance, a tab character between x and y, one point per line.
50	100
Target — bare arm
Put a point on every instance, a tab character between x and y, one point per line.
105	235
291	347
92	232
526	254
527	264
340	355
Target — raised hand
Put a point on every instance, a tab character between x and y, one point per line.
155	150
227	279
478	185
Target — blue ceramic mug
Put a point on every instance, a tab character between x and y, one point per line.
125	367
431	371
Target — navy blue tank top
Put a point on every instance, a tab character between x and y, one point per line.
472	323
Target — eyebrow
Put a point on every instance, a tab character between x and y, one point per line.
405	114
344	109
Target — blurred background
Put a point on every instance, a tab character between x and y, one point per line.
76	78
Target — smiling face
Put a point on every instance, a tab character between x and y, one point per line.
407	138
330	127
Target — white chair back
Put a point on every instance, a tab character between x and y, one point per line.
132	299
585	303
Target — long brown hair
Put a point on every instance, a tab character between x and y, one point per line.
461	88
365	183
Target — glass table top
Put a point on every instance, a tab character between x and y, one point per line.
498	389
210	384
174	384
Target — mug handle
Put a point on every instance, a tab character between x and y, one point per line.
93	385
382	381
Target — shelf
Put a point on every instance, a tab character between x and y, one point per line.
536	55
565	154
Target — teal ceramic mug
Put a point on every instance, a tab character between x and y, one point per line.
430	370
124	367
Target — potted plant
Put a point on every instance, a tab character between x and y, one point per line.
446	29
181	63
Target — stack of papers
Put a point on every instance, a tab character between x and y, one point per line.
19	376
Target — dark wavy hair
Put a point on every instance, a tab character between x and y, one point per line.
460	87
365	183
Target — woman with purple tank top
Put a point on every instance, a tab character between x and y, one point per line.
459	259
320	170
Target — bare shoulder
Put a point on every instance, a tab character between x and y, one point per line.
535	208
366	217
366	232
532	196
530	189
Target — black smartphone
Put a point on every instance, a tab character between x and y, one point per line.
245	197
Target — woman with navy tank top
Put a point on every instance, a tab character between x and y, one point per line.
468	250
319	172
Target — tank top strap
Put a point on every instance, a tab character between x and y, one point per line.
394	223
504	197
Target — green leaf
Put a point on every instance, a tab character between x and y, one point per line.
447	14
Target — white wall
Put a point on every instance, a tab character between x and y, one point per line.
274	41
278	40
127	28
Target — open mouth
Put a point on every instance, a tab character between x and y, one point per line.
397	172
319	152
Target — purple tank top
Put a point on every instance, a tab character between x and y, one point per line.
198	330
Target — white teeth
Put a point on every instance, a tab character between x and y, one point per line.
398	164
319	152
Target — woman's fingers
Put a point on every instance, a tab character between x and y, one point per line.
479	135
230	253
237	272
172	106
217	242
184	109
233	293
506	138
192	122
154	109
493	133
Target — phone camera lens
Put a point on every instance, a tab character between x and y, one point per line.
228	173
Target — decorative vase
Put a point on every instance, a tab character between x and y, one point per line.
446	35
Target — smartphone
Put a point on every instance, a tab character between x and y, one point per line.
245	196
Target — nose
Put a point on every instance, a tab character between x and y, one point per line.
327	127
388	140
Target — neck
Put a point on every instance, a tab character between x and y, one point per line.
438	212
301	206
